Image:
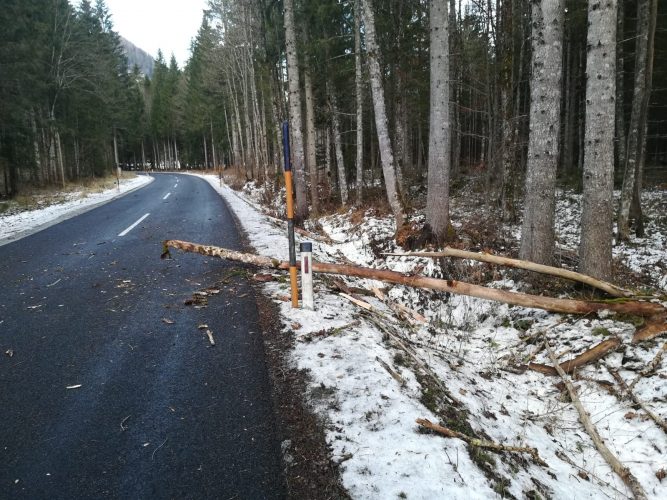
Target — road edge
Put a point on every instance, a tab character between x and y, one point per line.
308	467
69	215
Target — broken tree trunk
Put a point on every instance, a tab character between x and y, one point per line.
609	288
590	356
566	306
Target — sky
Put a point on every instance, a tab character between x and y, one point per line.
169	25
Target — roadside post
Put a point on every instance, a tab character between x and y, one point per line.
307	300
290	216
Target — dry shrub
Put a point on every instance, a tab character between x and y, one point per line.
235	179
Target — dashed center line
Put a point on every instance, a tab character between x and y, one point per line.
176	185
133	226
166	196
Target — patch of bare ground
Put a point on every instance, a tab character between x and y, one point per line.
309	471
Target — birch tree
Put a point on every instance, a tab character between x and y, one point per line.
537	232
439	155
296	127
598	176
381	122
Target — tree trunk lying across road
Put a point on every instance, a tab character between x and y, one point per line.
610	288
567	306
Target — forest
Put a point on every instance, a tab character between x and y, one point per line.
395	103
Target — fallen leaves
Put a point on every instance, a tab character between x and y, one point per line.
167	321
9	352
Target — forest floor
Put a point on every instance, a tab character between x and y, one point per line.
370	375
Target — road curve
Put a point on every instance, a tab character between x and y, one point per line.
108	386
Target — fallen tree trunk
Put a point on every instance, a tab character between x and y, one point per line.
616	465
566	306
590	356
609	288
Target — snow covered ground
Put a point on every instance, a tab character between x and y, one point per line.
473	348
16	225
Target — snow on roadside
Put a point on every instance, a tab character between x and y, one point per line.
474	347
17	225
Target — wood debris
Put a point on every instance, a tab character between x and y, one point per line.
590	356
481	443
621	470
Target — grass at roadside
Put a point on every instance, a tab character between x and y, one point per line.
33	198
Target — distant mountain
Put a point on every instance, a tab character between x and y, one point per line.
137	56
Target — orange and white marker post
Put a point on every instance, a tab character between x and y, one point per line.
290	216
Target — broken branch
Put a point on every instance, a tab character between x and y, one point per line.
481	443
610	288
590	356
623	472
624	387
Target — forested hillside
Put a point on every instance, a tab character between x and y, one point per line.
403	101
137	57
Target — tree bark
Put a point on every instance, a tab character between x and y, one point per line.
598	181
567	306
359	89
609	288
381	123
636	141
296	127
340	161
592	355
439	152
311	156
537	231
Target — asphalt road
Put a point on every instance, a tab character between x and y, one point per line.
103	396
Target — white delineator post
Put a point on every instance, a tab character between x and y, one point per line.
307	300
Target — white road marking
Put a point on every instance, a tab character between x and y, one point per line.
166	196
176	185
133	226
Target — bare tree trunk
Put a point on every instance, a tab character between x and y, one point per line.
340	162
327	159
296	127
359	89
621	138
381	124
205	153
439	153
214	157
537	232
639	117
454	89
143	154
59	155
597	211
311	156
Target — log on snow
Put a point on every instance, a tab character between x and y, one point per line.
617	466
590	356
481	443
609	288
566	306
